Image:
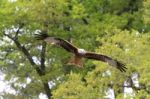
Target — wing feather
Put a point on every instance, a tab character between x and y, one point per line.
107	59
57	41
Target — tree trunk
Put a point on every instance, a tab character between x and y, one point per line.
47	90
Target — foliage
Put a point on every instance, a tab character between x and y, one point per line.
135	54
116	28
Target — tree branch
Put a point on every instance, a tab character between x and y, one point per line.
9	36
42	67
47	90
25	52
43	57
17	32
40	70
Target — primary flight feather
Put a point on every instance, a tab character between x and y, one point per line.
79	53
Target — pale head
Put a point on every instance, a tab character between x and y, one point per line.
81	51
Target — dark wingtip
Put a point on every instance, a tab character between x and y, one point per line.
41	36
121	67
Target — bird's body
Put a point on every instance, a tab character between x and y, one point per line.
79	53
51	40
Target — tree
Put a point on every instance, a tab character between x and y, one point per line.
104	26
20	57
104	76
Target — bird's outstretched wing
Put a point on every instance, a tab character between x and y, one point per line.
57	41
107	59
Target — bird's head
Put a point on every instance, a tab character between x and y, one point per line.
81	51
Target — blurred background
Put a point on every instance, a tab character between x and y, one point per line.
31	69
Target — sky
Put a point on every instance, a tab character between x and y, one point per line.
4	85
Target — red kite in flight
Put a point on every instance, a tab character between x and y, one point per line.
79	53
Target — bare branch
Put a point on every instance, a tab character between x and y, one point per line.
17	32
29	57
8	36
43	57
40	70
25	52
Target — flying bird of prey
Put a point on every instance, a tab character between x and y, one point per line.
79	53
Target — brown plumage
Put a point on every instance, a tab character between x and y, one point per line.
80	53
